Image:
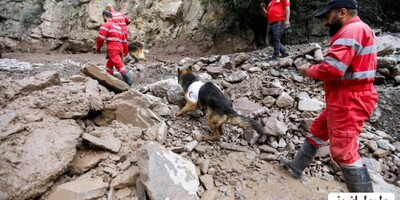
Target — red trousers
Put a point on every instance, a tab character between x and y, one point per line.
342	120
115	61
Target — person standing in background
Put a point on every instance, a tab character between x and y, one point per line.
278	13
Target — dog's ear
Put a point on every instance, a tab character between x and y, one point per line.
190	69
179	71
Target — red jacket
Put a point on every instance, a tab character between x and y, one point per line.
351	59
122	20
114	36
276	10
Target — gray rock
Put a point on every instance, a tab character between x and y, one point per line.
129	107
204	166
86	160
251	136
246	107
6	118
233	147
110	143
42	152
371	145
237	77
214	71
186	62
285	62
207	181
311	105
303	96
397	145
225	62
397	79
282	143
386	62
318	56
268	149
126	179
272	91
380	153
239	59
284	100
385	49
87	188
395	71
384	144
300	62
158	132
268	101
191	145
210	194
268	157
275	127
166	175
104	78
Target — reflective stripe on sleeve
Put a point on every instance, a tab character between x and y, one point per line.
336	64
358	75
357	47
369	50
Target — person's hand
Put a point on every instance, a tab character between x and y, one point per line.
262	5
287	23
303	70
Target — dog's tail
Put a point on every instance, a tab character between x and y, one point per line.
247	122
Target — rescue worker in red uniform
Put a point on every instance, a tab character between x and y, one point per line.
117	46
348	72
278	13
119	18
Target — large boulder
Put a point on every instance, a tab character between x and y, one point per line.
24	158
165	174
104	78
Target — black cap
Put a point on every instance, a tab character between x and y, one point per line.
350	4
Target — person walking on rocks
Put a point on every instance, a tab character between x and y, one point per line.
278	13
348	72
122	20
117	46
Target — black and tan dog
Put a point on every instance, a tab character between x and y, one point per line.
219	107
137	51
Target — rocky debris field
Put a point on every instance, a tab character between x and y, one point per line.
66	136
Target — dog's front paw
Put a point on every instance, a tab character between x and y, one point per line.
178	114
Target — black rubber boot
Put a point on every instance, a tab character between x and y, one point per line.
301	160
357	179
127	78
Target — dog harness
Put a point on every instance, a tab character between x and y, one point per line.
193	91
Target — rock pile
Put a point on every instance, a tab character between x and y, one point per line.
76	139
